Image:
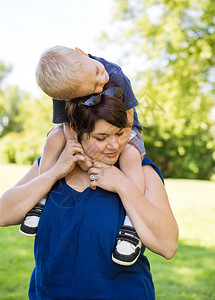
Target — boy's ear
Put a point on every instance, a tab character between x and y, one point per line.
80	51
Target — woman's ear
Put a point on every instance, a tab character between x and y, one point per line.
80	51
69	132
73	134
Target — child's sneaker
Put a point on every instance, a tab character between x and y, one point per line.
128	246
29	225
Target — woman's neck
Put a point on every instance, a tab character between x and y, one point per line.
78	179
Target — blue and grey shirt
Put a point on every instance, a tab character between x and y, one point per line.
115	74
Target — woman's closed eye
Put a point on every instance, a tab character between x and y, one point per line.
100	139
120	133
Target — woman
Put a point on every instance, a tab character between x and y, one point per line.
79	224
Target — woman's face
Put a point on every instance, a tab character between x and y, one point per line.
104	143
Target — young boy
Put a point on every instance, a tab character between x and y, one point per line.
64	74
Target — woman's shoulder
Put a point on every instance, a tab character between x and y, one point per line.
149	162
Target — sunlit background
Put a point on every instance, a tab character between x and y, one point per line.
29	27
166	48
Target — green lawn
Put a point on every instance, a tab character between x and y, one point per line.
189	275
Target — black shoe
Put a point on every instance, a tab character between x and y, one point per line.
128	247
29	225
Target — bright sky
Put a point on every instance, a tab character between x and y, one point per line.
28	27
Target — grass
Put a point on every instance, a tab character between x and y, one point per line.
189	275
16	252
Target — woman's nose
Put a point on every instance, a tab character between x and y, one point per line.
112	143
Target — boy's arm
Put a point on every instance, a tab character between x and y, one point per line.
54	145
130	160
130	117
130	163
69	132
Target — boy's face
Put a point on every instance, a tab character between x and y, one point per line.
93	77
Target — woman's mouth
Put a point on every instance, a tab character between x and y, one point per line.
111	154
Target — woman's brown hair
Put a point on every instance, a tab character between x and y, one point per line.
82	118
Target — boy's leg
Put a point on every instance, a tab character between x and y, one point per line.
130	163
55	143
128	245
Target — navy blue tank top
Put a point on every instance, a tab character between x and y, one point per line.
73	247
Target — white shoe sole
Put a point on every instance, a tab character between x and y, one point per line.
124	263
26	234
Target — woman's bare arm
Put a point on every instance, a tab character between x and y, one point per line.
17	201
150	213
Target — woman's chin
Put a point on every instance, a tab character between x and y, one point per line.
106	158
110	159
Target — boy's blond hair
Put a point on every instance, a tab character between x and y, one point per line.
58	71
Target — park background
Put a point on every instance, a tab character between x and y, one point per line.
166	48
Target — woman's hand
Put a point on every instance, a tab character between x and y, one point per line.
70	134
105	176
86	164
72	153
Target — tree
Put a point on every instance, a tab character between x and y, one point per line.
10	98
173	42
24	123
4	71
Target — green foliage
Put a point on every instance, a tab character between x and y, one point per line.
24	123
173	42
9	110
4	70
26	145
179	140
